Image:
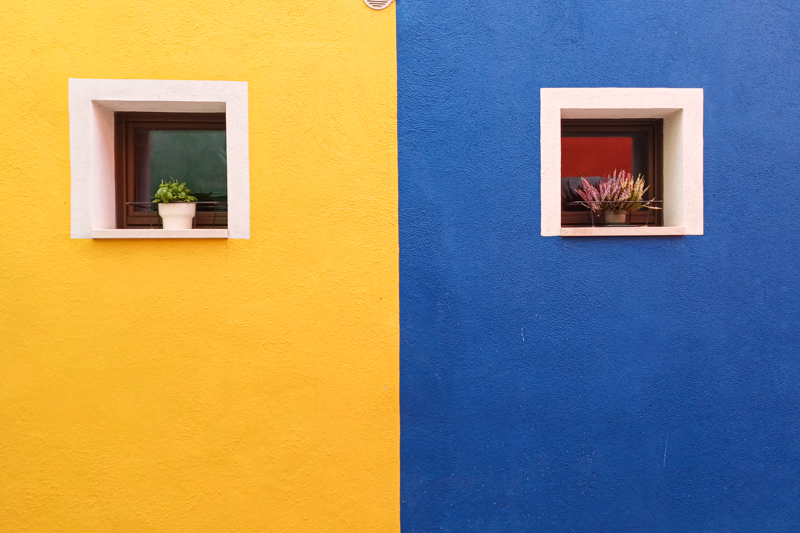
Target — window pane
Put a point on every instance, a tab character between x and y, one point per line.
595	156
197	157
593	148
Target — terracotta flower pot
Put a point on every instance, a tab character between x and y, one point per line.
616	219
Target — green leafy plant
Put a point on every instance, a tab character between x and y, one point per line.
172	191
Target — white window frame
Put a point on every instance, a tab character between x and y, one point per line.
682	112
92	103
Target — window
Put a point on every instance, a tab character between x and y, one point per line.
593	148
98	208
155	147
582	114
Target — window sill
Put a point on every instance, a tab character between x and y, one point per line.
640	231
159	234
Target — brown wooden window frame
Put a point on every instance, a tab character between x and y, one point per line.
653	132
128	159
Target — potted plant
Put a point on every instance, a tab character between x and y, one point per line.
615	197
176	205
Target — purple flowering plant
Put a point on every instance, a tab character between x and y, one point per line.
617	193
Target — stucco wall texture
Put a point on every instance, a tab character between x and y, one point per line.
596	384
205	385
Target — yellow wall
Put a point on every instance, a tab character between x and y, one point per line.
243	385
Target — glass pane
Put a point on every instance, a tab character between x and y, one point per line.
593	149
595	156
197	157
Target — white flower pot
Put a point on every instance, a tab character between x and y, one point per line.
177	215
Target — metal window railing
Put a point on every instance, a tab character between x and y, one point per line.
150	207
593	215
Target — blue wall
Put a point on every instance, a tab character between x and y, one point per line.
553	384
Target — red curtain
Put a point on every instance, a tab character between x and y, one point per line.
595	156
